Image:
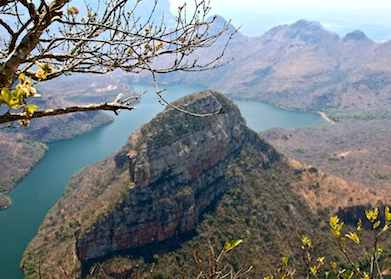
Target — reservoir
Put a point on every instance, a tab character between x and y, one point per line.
38	192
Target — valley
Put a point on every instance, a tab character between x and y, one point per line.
179	182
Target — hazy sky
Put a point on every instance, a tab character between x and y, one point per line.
373	17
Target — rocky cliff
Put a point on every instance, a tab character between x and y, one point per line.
176	168
156	187
176	174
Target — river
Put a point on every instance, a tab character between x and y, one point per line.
38	192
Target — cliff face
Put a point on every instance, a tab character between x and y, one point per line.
156	187
159	184
176	167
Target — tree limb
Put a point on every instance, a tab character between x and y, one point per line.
116	106
114	34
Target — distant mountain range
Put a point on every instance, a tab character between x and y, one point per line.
302	66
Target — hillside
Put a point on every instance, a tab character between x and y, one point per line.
51	129
303	66
306	67
19	154
21	148
357	151
178	182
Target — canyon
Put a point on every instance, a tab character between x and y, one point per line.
164	183
180	175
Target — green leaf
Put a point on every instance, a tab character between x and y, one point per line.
320	260
334	220
342	271
380	251
11	98
336	229
30	109
285	261
5	95
229	245
314	270
306	241
353	237
334	265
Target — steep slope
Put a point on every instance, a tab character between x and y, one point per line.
176	171
158	187
304	66
159	183
22	148
18	154
51	129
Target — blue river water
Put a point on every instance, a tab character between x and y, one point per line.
38	192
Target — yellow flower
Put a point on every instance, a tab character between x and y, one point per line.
387	214
43	71
372	214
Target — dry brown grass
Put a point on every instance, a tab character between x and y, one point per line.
358	152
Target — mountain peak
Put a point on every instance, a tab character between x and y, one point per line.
357	36
219	22
307	31
302	23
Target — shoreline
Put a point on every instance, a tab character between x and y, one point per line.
5	201
325	117
321	113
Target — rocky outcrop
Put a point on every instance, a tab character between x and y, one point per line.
176	167
170	172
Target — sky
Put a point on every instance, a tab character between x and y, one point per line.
256	17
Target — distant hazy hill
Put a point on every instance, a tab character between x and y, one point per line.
303	66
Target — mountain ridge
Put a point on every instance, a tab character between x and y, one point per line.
302	66
277	78
166	177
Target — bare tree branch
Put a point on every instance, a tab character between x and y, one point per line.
99	36
116	106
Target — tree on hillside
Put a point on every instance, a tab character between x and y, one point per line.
43	40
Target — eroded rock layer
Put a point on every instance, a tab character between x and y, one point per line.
176	166
157	186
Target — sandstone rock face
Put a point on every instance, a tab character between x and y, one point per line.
176	167
157	186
